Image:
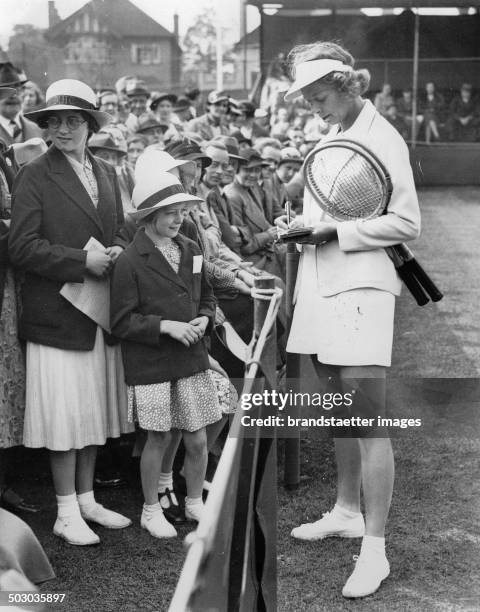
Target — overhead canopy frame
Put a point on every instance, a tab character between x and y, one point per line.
307	6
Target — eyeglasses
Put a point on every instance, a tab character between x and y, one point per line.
72	123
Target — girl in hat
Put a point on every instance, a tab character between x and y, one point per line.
161	307
74	387
345	302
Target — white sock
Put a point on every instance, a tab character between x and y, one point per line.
344	513
373	545
193	501
150	509
86	501
67	505
165	481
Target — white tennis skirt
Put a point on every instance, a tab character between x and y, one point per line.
353	328
74	398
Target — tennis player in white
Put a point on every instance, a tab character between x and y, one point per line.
344	305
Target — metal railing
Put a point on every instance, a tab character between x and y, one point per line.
231	559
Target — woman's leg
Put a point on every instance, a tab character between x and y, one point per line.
86	458
63	465
347	452
372	566
195	461
376	453
377	479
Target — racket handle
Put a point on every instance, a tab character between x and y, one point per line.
427	283
413	285
416	270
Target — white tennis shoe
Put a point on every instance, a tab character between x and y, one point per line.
366	578
157	525
330	526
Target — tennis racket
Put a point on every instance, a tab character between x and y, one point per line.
349	182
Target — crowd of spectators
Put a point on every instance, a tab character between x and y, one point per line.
439	117
241	161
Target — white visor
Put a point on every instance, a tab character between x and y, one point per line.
307	73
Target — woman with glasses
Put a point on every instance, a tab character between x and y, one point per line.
75	390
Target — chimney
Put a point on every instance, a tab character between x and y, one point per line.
175	25
53	17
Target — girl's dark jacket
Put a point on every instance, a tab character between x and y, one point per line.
144	290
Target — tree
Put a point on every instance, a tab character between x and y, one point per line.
199	46
28	50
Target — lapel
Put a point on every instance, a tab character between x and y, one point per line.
157	262
64	176
5	136
105	209
253	209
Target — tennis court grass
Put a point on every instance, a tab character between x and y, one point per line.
434	527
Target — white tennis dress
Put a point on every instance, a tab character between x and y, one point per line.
345	291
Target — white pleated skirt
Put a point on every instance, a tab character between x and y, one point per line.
74	398
353	328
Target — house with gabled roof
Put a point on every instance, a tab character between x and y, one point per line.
107	39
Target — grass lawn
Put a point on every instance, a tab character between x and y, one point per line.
434	528
434	531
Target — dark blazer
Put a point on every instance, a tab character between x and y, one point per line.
52	219
29	130
225	216
273	195
250	219
145	290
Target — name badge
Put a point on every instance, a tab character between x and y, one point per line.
197	263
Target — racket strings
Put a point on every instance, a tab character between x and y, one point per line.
346	184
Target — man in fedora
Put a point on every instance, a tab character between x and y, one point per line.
137	95
151	128
14	127
257	232
212	123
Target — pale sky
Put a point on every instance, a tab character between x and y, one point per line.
36	12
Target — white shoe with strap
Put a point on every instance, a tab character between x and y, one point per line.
331	526
157	525
370	570
74	530
104	517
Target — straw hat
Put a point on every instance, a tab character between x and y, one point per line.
231	145
11	76
25	152
103	140
148	121
290	155
157	97
157	190
70	94
160	160
252	159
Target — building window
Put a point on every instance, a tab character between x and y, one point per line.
146	54
88	50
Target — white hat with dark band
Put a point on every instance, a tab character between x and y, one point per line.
307	73
70	94
156	191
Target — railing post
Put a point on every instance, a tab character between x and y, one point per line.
292	442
